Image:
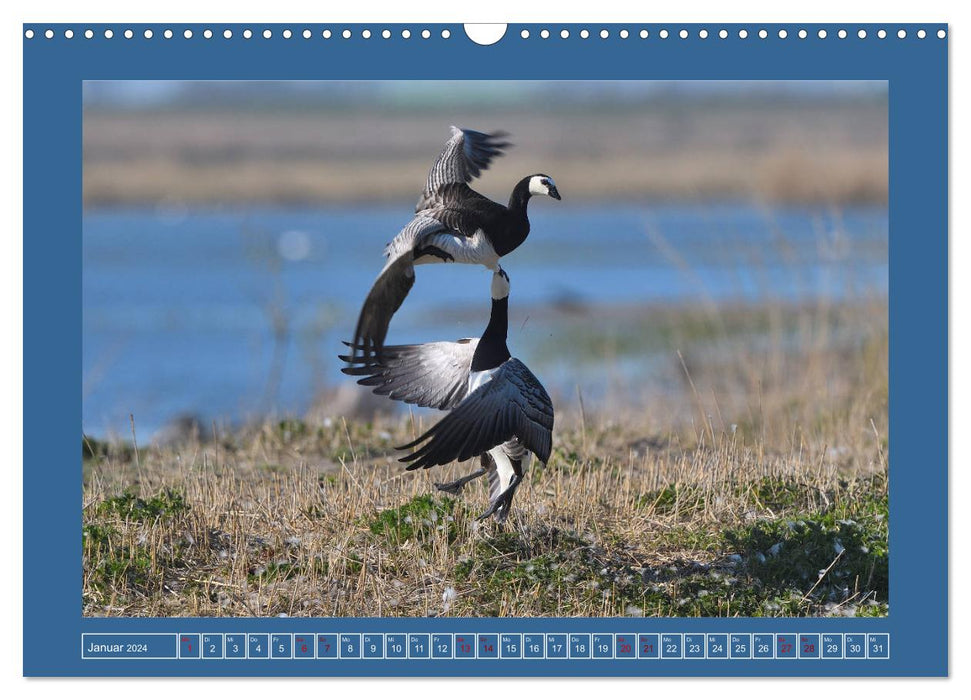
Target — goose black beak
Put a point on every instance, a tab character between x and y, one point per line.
554	193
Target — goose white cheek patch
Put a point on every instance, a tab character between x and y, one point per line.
538	186
269	237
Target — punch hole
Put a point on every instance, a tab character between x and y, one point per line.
366	34
803	33
821	33
703	34
841	33
487	34
604	33
683	33
49	33
167	33
267	34
405	33
307	33
247	34
545	34
29	34
941	34
129	34
88	34
425	34
228	34
524	34
624	33
861	33
644	33
187	33
446	34
207	34
783	33
663	34
902	34
326	34
564	34
882	34
921	34
287	34
742	33
149	33
346	33
723	34
68	33
386	34
763	34
584	34
109	34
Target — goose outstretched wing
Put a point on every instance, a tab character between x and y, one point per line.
433	375
392	285
464	157
512	404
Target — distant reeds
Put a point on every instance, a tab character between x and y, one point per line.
802	152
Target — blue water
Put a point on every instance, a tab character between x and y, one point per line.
180	306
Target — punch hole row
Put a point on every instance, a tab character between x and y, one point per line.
725	34
446	34
245	34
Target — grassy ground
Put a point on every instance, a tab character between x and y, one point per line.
773	503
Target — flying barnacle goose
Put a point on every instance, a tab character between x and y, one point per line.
452	223
499	410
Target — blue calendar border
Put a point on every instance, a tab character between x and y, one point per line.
917	71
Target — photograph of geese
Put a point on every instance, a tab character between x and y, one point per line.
662	394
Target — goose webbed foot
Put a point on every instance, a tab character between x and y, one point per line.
453	487
436	252
503	503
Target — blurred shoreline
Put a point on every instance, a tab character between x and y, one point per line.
831	151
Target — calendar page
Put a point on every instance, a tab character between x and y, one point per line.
487	350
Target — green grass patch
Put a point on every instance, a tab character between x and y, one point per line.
777	495
676	499
822	558
689	538
111	563
292	428
418	519
128	506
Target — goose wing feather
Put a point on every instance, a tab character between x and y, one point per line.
432	375
466	154
512	404
391	286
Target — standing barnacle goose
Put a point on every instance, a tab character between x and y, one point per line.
452	223
499	410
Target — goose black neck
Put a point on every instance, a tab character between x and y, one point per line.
491	350
520	197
